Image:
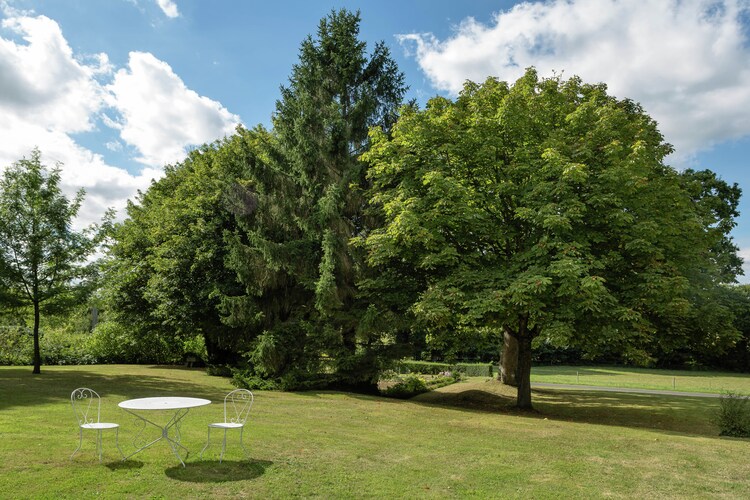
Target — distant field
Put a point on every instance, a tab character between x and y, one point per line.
462	441
643	378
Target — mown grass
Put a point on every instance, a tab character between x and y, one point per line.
461	441
644	378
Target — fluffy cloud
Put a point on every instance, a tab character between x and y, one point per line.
159	115
41	81
106	186
168	7
48	93
687	62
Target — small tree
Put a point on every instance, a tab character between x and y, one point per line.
43	261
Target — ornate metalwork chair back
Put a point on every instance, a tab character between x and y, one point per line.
86	405
237	406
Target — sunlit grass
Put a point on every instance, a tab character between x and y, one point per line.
464	440
644	378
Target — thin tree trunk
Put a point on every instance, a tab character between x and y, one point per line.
37	353
509	360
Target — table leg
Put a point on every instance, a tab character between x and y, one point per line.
174	422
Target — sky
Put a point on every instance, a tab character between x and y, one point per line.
114	90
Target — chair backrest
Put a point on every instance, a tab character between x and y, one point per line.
237	406
86	405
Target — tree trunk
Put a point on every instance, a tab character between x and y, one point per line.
37	353
509	360
523	400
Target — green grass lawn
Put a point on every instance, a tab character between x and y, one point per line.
644	378
464	440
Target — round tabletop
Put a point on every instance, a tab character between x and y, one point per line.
163	403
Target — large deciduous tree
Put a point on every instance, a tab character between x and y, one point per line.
44	262
166	271
314	188
540	208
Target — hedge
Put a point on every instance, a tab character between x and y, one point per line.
432	368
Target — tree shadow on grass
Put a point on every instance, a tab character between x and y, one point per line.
18	387
673	414
214	472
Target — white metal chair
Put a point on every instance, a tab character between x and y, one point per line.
237	406
86	402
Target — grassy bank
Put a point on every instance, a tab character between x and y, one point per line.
464	440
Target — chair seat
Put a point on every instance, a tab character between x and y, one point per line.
226	425
100	425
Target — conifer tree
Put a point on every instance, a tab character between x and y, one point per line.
295	250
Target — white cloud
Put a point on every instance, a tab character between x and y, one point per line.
159	115
169	8
687	62
48	93
41	81
106	186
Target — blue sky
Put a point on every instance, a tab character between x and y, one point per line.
115	89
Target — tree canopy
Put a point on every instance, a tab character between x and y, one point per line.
44	262
542	208
166	271
313	184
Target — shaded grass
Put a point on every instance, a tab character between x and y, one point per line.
644	378
461	441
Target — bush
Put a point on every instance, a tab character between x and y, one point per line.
63	348
56	346
16	346
406	388
733	417
113	342
196	346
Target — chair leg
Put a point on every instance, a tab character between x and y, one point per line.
223	446
117	442
99	443
247	455
80	442
208	441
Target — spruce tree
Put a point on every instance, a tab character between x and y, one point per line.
313	183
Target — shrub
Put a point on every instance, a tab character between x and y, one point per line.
63	348
16	346
733	417
247	380
194	351
406	388
113	342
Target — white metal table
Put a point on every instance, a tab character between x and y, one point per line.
179	405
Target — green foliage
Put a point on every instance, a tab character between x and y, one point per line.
544	208
112	342
195	346
166	272
291	252
65	348
57	347
44	262
432	368
15	345
733	416
406	388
